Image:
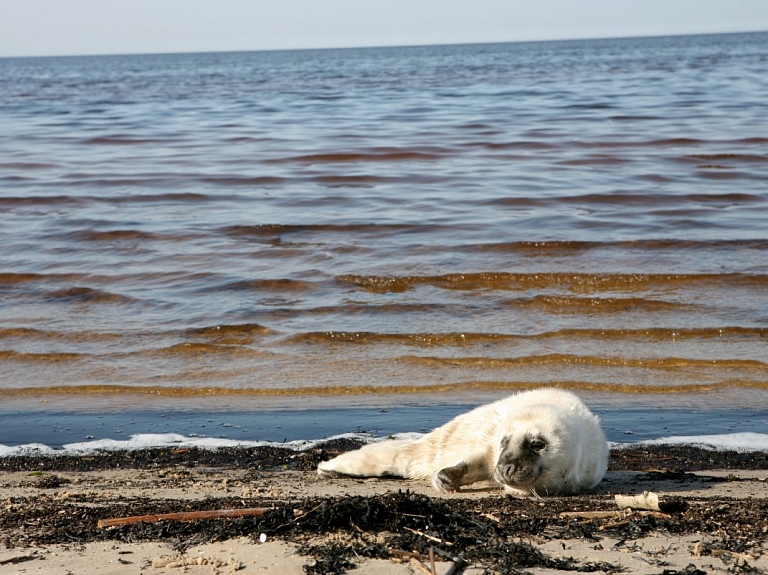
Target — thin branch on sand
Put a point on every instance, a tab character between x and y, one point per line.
186	516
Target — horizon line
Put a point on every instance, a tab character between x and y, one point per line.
381	46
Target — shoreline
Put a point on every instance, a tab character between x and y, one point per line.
133	428
51	507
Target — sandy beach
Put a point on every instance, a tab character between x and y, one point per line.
711	520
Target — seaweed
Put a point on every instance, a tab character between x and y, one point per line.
494	532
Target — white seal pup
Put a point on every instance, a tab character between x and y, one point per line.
540	442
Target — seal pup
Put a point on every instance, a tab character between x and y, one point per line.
539	442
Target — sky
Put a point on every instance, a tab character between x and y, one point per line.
77	27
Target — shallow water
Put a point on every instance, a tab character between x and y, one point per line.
382	228
71	430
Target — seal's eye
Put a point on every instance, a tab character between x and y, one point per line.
537	444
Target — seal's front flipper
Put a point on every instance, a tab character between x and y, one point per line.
450	478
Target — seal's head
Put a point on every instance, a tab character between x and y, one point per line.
538	449
521	460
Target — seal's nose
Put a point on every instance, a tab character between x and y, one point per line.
505	472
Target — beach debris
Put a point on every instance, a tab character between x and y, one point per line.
230	565
622	514
416	560
46	480
432	560
650	501
185	516
645	504
426	536
592	514
484	529
421	567
16	558
739	558
458	562
400	554
646	500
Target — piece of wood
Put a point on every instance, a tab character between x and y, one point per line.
430	537
405	554
612	525
592	514
659	514
614	514
646	500
421	567
186	516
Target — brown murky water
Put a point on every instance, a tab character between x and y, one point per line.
384	226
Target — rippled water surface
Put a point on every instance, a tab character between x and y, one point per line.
384	227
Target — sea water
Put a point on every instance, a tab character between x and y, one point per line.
277	246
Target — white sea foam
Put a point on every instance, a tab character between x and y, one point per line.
28	449
159	440
731	441
747	441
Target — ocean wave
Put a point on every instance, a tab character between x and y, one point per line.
428	339
367	155
405	389
576	281
672	363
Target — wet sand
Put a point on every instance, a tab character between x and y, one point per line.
714	504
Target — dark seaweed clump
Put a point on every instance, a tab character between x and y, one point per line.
686	458
491	532
268	458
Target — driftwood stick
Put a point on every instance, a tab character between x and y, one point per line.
592	514
659	514
186	516
612	525
430	537
405	554
432	560
421	567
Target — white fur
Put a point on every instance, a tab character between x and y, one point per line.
574	458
